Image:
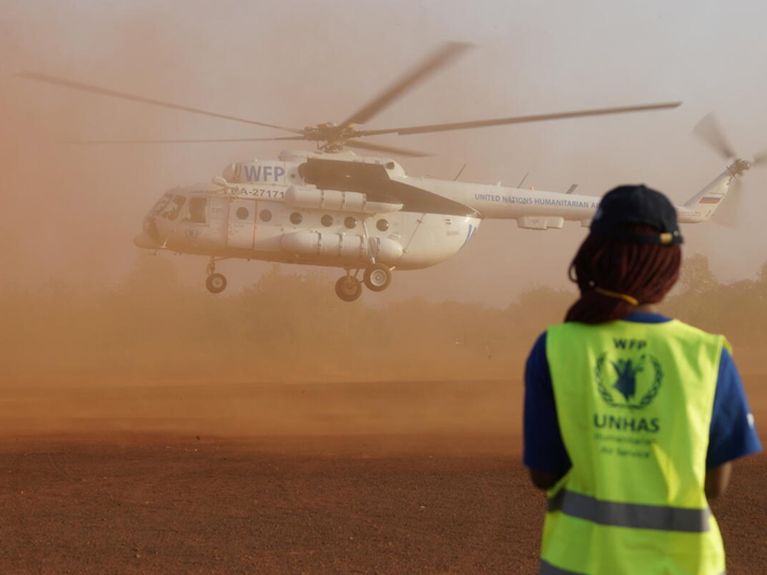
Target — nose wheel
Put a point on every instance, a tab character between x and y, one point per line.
215	282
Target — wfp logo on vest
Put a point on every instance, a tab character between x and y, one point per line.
627	377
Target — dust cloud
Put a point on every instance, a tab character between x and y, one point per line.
283	356
95	336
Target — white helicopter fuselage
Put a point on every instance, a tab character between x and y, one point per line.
354	212
239	226
268	211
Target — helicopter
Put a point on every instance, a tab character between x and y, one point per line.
363	214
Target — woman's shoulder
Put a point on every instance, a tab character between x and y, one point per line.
690	330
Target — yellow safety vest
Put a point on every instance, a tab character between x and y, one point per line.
634	403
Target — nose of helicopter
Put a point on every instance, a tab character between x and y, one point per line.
144	240
148	237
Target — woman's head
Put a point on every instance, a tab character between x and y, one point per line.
631	257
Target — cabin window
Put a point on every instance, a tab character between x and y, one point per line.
327	220
197	210
296	218
242	213
350	222
382	225
265	215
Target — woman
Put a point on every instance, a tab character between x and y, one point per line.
631	418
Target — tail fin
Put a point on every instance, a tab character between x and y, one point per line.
703	204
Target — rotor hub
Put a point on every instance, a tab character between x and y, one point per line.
331	136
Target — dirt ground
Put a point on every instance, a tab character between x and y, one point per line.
313	478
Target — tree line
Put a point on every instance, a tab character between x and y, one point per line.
288	326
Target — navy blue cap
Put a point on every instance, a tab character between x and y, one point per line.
625	207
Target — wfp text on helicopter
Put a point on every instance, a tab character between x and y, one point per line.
362	214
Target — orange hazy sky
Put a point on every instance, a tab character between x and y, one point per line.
70	212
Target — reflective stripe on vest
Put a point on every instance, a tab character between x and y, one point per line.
630	514
549	569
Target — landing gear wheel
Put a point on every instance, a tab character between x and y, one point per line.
348	288
377	277
216	283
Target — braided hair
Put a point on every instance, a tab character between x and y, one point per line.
615	276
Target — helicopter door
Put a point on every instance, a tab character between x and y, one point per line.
242	224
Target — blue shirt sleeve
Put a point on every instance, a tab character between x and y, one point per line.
543	448
732	433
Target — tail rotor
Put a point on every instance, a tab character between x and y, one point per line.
730	212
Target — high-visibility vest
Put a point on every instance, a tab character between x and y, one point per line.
634	403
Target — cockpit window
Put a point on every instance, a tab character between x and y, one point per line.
173	208
197	210
161	203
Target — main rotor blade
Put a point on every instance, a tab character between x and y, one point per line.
437	60
387	149
519	119
709	131
133	98
181	141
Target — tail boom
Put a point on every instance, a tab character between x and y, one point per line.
702	205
